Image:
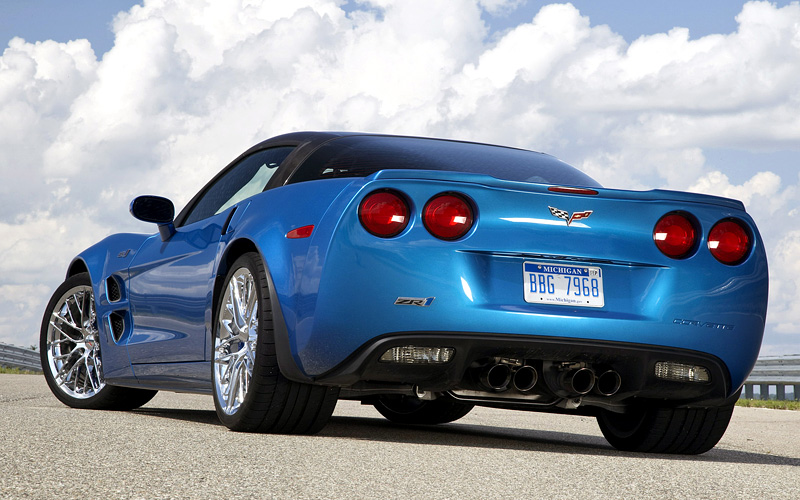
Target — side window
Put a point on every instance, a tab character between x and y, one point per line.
245	179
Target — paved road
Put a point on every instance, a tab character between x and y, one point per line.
174	448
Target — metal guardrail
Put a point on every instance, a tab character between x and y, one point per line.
779	371
19	357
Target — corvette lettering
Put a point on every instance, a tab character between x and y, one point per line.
563	214
702	324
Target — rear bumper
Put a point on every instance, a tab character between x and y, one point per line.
635	364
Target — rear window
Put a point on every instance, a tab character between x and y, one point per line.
360	156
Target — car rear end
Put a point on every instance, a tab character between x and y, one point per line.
538	293
663	292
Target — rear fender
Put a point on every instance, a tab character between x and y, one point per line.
293	265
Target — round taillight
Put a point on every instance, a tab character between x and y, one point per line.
384	213
729	242
675	235
448	216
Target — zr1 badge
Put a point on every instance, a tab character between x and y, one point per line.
414	301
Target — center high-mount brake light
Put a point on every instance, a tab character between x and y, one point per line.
448	216
572	190
384	213
675	235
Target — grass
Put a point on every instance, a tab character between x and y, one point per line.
17	371
769	403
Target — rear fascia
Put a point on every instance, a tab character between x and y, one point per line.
694	304
633	362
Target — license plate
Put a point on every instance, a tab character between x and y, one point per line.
561	284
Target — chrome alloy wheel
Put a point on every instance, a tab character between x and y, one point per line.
73	347
235	341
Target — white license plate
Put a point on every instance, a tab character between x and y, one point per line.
562	284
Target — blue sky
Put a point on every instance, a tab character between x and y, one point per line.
162	99
64	20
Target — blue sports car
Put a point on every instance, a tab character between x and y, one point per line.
424	277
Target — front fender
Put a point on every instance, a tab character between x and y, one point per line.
111	256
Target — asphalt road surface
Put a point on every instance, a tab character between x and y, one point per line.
174	447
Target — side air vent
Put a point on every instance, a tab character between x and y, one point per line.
117	323
113	291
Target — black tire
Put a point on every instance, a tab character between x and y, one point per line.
412	410
270	402
653	429
70	352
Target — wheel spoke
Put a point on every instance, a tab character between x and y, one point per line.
236	301
233	385
62	332
65	373
244	381
62	356
250	311
224	344
73	310
86	309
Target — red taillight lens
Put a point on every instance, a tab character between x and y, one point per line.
384	213
448	216
729	242
675	235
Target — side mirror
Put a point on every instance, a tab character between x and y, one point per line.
155	209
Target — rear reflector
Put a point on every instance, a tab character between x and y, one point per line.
675	235
729	242
679	372
300	232
415	355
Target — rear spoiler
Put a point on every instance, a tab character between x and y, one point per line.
493	182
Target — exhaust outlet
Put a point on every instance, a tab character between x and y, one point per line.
608	383
496	377
578	381
525	378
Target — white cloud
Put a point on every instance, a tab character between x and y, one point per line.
765	184
189	85
783	312
499	7
38	84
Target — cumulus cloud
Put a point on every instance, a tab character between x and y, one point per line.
189	85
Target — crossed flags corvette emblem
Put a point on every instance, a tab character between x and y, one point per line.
563	214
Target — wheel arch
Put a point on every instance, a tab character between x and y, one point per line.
286	362
77	266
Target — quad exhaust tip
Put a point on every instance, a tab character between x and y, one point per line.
608	383
499	377
496	377
525	378
580	381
